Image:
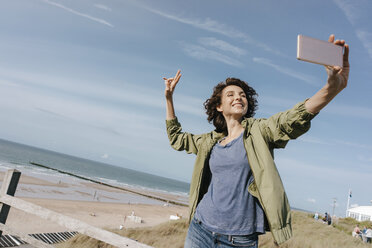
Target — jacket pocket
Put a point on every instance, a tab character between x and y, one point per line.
252	189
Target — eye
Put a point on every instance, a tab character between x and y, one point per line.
229	94
243	95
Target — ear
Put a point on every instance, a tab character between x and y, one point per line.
219	109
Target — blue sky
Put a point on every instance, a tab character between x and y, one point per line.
85	78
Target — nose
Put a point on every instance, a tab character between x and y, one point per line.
238	97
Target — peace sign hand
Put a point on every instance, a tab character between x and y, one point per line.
170	84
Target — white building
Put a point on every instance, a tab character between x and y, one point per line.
360	213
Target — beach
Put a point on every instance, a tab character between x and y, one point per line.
92	203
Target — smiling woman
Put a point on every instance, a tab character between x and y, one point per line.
246	96
236	191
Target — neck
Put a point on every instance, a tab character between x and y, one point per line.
234	127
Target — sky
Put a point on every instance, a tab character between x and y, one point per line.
85	78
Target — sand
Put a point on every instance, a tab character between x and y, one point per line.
95	204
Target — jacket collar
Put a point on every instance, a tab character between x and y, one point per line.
247	124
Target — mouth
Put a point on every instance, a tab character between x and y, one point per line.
237	104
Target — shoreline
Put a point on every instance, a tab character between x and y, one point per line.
138	192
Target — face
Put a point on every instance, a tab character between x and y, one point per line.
233	102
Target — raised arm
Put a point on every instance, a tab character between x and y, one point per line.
336	82
179	140
290	124
170	85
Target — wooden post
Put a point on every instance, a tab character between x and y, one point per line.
8	187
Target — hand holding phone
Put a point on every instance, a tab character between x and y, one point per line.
338	72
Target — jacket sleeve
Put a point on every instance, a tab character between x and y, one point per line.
182	140
281	127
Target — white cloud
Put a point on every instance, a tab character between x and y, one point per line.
105	156
8	83
214	26
206	24
358	14
338	174
287	71
366	39
364	158
202	53
349	9
103	7
312	200
222	45
313	140
100	93
316	140
349	111
354	205
277	101
79	13
352	144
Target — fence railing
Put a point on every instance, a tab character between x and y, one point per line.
7	192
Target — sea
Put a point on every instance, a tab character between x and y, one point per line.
18	156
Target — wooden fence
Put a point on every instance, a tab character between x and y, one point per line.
8	200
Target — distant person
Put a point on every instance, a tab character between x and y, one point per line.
316	216
236	192
325	219
329	219
356	232
369	235
364	238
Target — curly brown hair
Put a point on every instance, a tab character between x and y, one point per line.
214	101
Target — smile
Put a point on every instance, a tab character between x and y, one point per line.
241	105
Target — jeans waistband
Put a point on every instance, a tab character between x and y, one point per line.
228	236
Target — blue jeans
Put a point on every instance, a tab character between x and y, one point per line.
198	236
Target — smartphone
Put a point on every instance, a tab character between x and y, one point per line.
319	51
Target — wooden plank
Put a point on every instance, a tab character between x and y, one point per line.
72	224
32	241
9	187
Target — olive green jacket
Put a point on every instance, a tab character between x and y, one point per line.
261	136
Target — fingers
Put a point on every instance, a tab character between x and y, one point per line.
176	78
178	72
332	70
331	38
170	83
343	44
346	53
336	70
339	42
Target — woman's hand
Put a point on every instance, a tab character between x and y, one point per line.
338	77
336	81
170	84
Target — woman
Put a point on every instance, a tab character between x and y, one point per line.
236	192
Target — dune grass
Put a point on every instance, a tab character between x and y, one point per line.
308	233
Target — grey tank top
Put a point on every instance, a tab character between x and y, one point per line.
228	208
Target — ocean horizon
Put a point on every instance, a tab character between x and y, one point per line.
18	156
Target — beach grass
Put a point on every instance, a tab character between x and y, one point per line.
307	233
